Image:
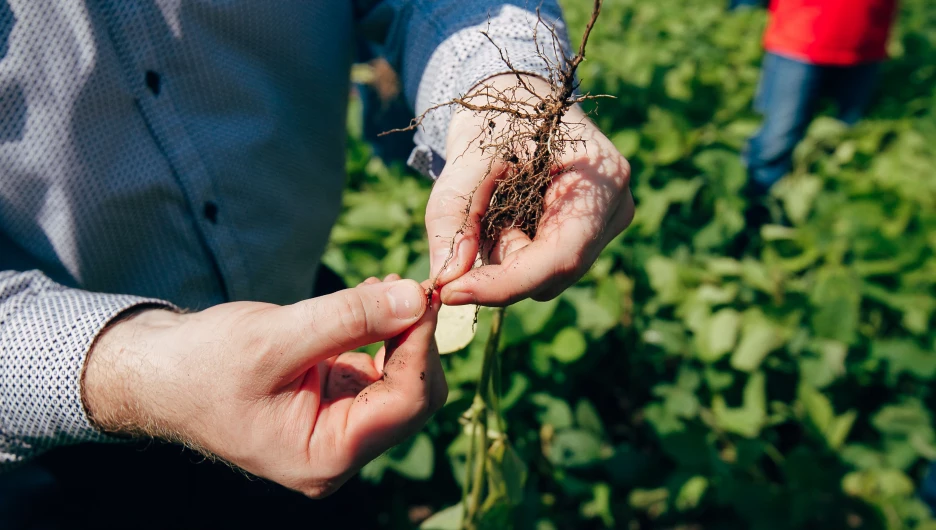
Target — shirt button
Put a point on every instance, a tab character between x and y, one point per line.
211	212
153	82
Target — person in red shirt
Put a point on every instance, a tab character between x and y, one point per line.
815	49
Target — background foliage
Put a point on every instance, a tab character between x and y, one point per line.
704	373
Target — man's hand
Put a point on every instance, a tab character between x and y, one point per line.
584	210
270	388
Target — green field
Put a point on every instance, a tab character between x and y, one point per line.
689	381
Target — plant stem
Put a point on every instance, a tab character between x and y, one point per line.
490	352
485	400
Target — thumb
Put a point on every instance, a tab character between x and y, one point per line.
323	327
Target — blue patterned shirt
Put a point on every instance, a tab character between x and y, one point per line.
189	152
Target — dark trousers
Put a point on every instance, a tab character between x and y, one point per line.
161	486
789	96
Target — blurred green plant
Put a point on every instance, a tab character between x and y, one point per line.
687	381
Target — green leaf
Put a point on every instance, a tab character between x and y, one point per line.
691	492
586	417
668	335
664	278
649	500
902	420
907	431
655	203
829	364
818	408
875	484
904	356
718	381
377	215
723	167
721	266
553	411
825	128
680	399
756	275
396	259
419	268
666	131
374	470
457	452
862	456
507	473
600	505
519	384
590	315
568	345
917	307
526	319
448	519
627	142
836	297
799	194
719	335
759	337
678	81
663	420
415	459
572	448
747	420
839	429
541	358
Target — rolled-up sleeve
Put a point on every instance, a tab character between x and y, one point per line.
46	331
438	48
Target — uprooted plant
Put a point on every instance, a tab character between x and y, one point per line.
524	132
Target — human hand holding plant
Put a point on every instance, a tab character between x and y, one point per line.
534	186
271	388
585	205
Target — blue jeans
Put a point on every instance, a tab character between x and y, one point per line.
788	96
735	4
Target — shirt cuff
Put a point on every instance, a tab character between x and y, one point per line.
46	332
467	58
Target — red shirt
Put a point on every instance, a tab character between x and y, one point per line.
833	32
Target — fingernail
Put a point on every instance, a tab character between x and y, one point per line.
452	297
405	300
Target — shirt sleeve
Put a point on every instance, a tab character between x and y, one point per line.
440	53
46	331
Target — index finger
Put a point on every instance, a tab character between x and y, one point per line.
411	388
456	205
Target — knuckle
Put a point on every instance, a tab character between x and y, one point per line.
444	209
570	266
446	198
422	409
352	317
320	490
